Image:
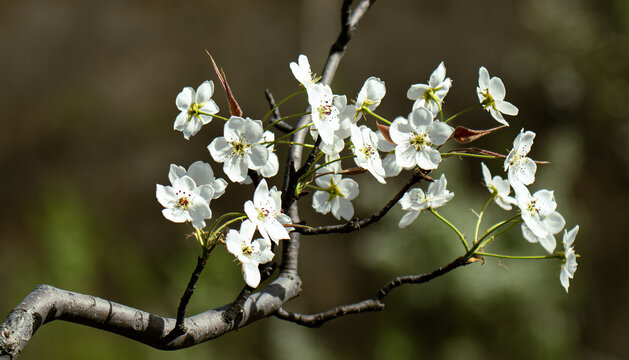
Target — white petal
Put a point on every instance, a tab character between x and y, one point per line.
405	155
204	92
548	242
399	131
271	167
483	78
439	132
220	149
320	202
165	195
235	169
408	218
184	99
507	108
497	89
437	76
251	274
420	118
349	188
345	209
175	172
416	91
428	158
569	236
555	222
258	157
181	121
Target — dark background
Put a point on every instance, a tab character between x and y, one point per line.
87	102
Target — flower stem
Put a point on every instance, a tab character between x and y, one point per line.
479	156
463	112
213	115
285	118
326	164
230	222
292	132
282	101
213	228
288	142
453	228
552	256
366	109
480	217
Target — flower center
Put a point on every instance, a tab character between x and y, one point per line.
194	110
368	151
239	148
489	100
183	199
532	208
325	109
334	191
420	140
263	213
247	249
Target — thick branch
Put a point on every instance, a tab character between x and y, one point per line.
355	224
47	303
373	304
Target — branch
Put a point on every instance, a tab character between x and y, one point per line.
373	304
356	224
46	303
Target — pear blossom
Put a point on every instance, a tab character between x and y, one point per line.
202	174
541	221
196	109
431	95
249	252
521	169
569	266
323	112
371	94
265	212
416	137
414	200
302	72
366	151
491	94
335	195
185	201
499	188
240	149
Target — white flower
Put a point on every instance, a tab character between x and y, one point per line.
249	253
414	200
366	150
416	137
431	95
521	169
325	116
185	201
240	148
202	174
335	196
195	108
371	94
569	265
499	187
273	164
302	71
265	212
491	94
541	221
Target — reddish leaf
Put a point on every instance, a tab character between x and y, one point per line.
385	132
464	135
234	108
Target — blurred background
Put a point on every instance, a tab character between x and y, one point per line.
87	102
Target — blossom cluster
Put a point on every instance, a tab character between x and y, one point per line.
247	151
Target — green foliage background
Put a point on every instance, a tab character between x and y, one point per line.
87	101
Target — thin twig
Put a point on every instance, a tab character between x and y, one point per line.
187	295
280	125
373	304
356	224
